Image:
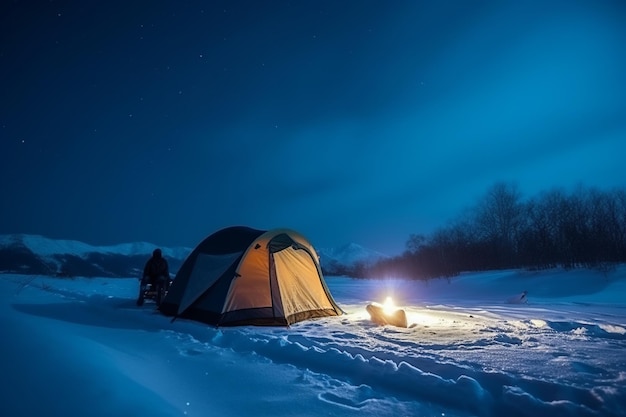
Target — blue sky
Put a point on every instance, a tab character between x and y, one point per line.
355	121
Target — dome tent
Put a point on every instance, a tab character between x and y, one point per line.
240	276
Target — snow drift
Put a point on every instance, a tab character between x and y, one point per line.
466	352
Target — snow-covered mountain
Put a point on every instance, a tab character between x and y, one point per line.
46	247
34	254
337	261
39	255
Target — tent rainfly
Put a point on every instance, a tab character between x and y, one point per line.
239	276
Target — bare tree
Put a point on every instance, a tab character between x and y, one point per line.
498	219
415	243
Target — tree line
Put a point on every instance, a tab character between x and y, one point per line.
585	227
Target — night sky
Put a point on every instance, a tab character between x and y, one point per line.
349	121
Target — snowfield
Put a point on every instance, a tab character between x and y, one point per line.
82	347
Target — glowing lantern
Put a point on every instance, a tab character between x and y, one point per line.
387	313
389	306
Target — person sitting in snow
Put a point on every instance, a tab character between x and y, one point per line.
156	270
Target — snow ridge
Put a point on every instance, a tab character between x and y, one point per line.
47	247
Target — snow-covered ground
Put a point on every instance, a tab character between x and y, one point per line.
82	347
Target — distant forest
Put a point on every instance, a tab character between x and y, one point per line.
584	228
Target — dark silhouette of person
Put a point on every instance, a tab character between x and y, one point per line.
523	298
156	270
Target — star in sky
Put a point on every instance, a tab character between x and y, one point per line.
348	121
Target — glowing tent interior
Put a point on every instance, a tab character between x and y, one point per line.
239	275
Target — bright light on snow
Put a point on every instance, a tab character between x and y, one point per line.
389	306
